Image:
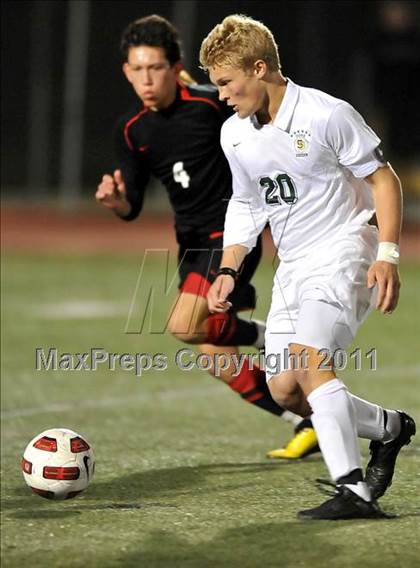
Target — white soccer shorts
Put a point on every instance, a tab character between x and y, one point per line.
321	299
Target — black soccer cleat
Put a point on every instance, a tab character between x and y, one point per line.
380	469
344	505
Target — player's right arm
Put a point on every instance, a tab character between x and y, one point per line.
245	220
233	257
123	191
111	192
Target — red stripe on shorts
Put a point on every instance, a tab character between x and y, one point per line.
216	235
196	284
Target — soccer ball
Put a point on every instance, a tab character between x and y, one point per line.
58	464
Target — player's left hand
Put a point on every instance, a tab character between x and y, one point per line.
385	276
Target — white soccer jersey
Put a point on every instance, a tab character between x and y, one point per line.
303	173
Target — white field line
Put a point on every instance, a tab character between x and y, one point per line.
174	394
141	400
80	309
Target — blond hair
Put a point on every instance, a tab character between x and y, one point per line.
239	41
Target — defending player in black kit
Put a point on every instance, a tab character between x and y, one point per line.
174	134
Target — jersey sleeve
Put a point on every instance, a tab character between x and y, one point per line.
355	144
135	171
245	216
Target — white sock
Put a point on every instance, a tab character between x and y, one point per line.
291	417
334	421
361	489
370	420
393	426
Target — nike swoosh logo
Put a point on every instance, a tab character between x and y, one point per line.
237	144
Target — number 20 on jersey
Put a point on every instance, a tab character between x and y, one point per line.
279	189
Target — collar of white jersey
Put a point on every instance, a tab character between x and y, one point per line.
285	112
284	115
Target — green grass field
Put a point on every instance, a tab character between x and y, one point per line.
181	477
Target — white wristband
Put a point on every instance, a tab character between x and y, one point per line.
389	252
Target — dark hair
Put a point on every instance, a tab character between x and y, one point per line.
153	31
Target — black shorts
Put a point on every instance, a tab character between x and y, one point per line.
199	260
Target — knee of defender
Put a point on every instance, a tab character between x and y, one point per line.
188	336
191	338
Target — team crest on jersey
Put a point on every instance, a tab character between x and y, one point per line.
301	140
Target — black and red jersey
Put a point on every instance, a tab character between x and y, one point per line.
180	146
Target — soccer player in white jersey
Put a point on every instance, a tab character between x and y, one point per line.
307	163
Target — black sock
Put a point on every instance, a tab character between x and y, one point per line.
252	386
304	423
268	404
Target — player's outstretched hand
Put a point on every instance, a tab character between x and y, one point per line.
111	193
385	276
219	291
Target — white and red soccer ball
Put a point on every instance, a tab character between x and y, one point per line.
58	464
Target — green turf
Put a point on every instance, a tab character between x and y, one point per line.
181	476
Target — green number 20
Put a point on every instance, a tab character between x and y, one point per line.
281	188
